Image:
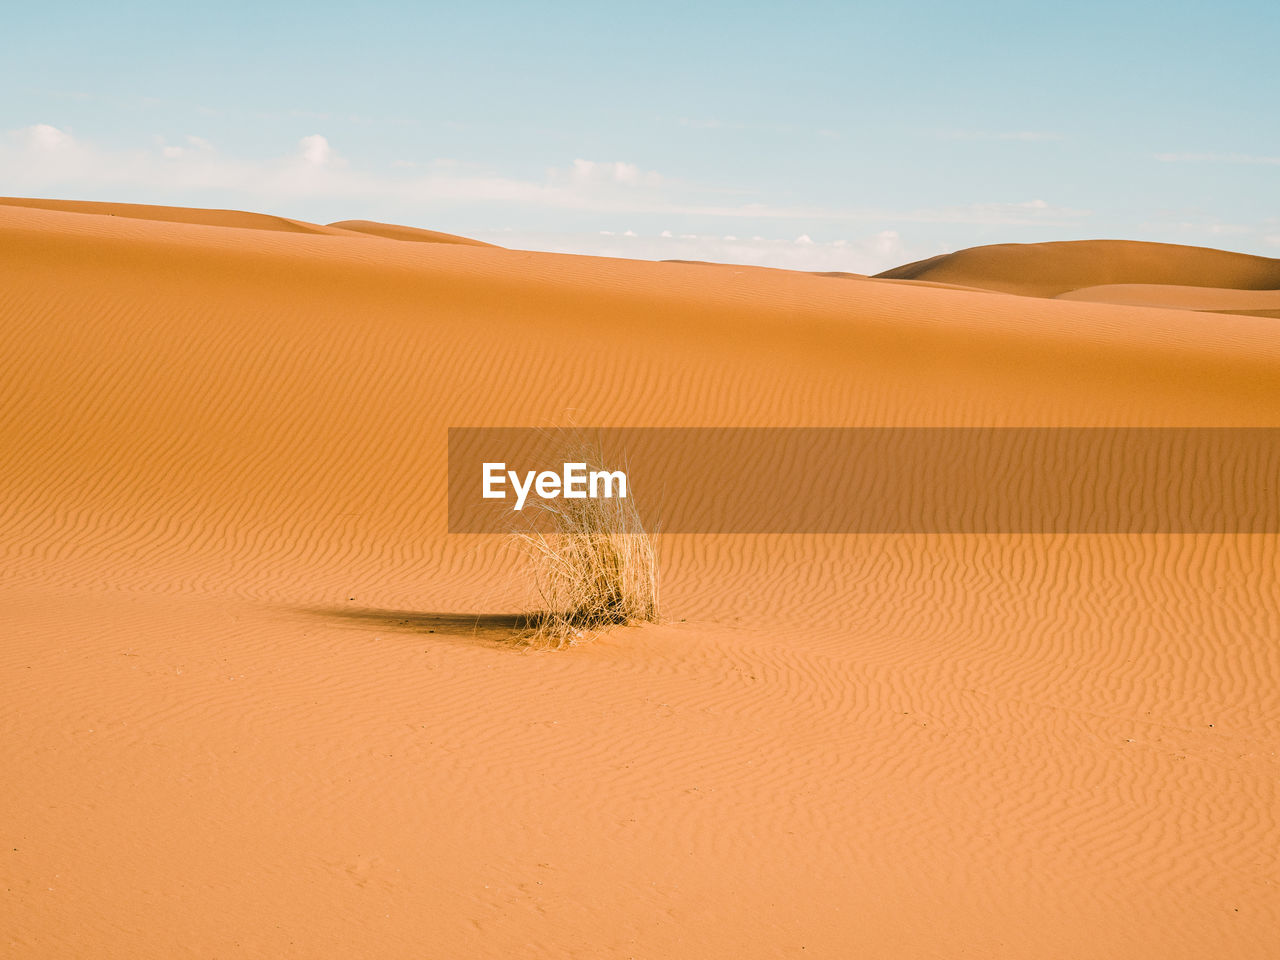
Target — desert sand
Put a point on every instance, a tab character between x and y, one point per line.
259	703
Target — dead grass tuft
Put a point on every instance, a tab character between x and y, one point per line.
594	567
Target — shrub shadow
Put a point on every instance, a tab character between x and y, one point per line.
500	628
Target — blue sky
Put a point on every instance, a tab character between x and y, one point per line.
815	135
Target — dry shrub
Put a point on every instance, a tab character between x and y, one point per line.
595	566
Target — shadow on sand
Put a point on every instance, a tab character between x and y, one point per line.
489	627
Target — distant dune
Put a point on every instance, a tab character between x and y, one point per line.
146	211
241	219
1055	269
256	699
1257	303
393	231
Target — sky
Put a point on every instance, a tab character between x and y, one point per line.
821	136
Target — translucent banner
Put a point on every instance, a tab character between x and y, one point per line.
874	479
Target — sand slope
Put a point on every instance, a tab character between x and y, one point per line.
255	699
392	231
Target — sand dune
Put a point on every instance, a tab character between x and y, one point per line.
1052	269
1258	303
146	211
392	231
257	703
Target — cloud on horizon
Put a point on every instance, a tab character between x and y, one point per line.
43	156
564	208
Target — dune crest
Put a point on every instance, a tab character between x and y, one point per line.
394	231
1256	303
192	215
1053	269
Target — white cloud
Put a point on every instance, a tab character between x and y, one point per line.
43	157
192	145
1197	228
886	243
315	150
44	152
1021	213
44	138
591	171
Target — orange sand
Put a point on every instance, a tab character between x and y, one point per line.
256	704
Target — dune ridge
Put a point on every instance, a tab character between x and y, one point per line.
260	703
191	215
1057	269
241	219
393	231
1256	303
